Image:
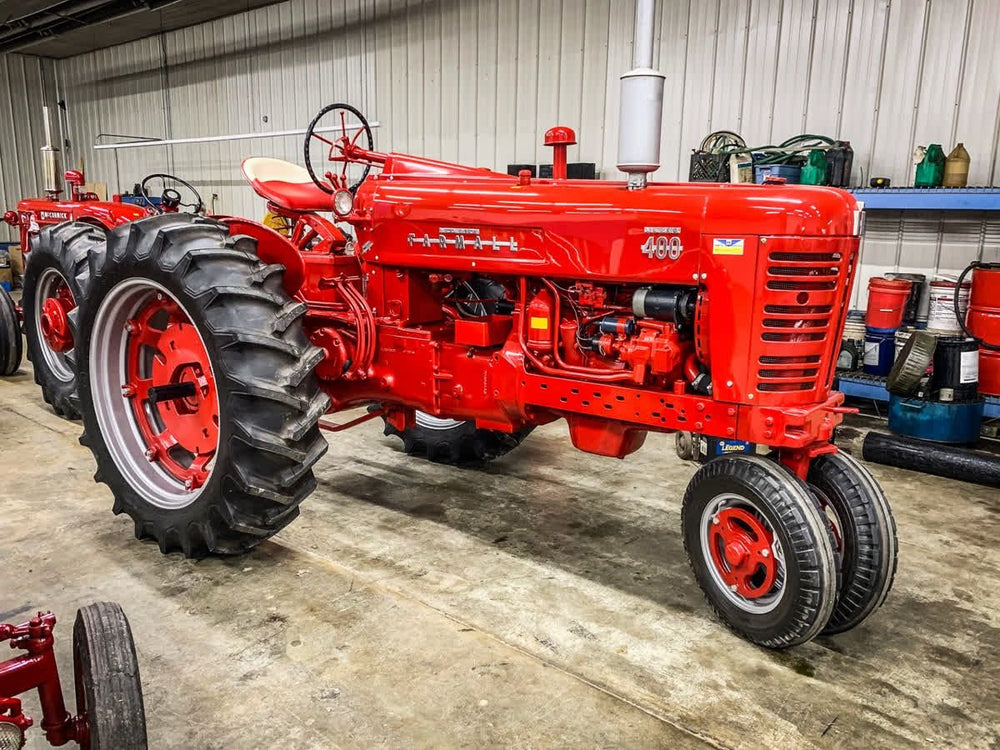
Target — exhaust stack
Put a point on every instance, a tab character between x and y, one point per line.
641	104
51	162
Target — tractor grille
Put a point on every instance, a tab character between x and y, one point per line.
797	328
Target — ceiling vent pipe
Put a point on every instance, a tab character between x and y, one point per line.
641	104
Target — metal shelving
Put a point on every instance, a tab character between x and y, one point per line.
929	199
859	385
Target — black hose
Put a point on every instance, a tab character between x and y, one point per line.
967	465
958	313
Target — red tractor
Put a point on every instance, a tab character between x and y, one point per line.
109	708
51	287
465	307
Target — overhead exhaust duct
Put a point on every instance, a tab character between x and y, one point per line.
641	112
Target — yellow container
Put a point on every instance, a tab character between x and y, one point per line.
956	167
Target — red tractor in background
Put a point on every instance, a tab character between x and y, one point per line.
109	706
465	307
50	283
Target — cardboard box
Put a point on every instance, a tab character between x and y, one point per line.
17	261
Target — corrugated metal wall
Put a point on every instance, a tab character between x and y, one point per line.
479	82
26	84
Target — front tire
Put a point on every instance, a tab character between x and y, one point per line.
199	400
108	687
866	536
760	550
57	274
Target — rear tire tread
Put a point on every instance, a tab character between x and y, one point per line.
269	436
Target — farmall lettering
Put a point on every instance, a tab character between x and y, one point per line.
662	243
461	238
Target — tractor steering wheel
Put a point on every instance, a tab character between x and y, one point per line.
342	149
170	198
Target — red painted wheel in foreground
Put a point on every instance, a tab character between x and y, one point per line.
760	550
170	385
196	380
740	544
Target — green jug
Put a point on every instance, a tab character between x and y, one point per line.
930	171
814	170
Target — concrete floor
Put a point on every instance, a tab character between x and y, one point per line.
542	602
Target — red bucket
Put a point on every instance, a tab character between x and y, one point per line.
983	321
886	302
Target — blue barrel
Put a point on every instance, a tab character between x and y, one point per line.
940	421
880	350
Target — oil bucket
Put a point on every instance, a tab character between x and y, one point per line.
941	312
886	302
880	350
956	369
912	313
935	420
984	322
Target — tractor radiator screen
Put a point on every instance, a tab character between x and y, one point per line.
802	288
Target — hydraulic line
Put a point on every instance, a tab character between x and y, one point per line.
557	315
602	377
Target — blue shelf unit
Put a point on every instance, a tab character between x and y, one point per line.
870	387
929	199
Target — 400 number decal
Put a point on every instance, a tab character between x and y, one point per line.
662	247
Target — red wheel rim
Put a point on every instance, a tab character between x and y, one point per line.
53	322
171	387
742	552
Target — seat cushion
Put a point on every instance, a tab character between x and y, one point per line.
286	185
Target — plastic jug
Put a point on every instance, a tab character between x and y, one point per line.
956	167
930	171
814	170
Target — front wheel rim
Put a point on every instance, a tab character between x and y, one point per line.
743	554
154	393
423	419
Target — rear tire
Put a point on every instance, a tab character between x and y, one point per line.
759	550
60	256
450	441
867	536
11	345
252	417
106	671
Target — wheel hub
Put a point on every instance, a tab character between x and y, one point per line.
172	391
53	321
741	551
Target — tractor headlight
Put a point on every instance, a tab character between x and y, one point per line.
343	202
11	736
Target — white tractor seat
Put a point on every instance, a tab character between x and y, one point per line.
285	185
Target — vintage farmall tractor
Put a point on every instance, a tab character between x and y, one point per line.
467	307
109	708
51	285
